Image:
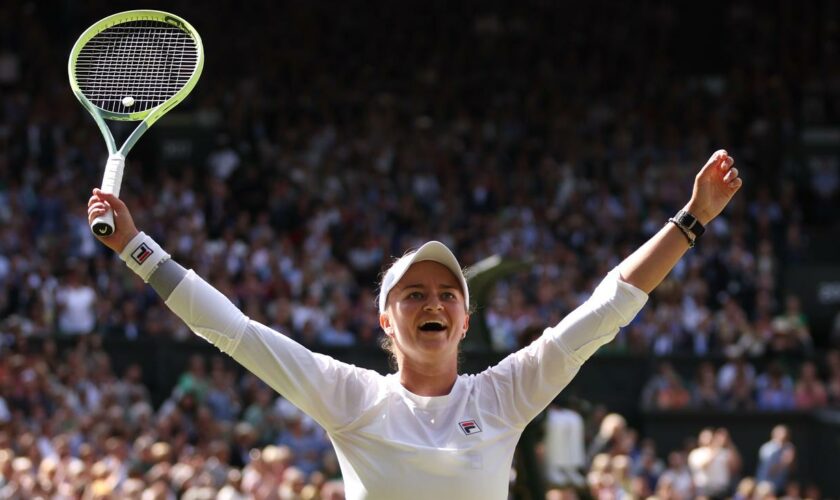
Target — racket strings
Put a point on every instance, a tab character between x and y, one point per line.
148	61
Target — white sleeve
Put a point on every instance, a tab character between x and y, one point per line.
525	382
331	392
613	305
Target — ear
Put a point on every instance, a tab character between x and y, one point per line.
385	323
466	324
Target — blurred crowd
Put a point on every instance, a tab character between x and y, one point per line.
738	385
549	136
613	461
558	135
73	427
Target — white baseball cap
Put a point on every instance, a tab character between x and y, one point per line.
434	251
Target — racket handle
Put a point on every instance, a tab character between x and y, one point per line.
111	182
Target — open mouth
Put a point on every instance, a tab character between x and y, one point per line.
432	326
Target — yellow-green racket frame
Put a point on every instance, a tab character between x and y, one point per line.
112	179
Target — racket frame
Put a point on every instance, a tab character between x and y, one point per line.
112	178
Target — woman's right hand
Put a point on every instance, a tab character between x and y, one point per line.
124	230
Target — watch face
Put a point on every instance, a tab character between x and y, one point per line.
691	223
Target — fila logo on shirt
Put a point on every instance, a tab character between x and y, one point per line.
141	253
469	427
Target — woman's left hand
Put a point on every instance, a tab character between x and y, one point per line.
715	184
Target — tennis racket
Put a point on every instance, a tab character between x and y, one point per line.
132	66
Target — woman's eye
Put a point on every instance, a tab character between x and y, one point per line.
448	295
415	295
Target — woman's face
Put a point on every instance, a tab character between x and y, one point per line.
425	314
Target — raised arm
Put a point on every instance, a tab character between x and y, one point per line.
715	184
331	392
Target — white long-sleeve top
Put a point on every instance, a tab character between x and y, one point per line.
392	444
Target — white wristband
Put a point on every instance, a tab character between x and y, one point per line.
143	255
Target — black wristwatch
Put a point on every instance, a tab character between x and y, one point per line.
689	225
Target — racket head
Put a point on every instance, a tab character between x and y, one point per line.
153	57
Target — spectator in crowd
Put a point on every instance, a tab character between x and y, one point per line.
676	482
232	490
810	391
736	366
746	489
222	399
76	301
194	380
243	442
646	467
704	392
731	324
292	484
303	437
260	414
790	329
723	442
774	389
741	337
564	456
666	390
622	479
600	479
714	463
776	460
611	431
833	384
736	380
742	395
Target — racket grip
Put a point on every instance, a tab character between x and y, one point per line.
111	182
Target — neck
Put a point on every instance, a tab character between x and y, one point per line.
427	380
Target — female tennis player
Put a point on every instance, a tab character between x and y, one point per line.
425	431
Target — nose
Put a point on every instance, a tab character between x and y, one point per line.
433	304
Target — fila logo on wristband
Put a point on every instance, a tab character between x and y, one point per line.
469	427
141	253
143	256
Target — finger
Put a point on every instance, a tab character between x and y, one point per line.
112	200
735	184
714	160
96	213
96	197
718	155
731	175
98	206
727	163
